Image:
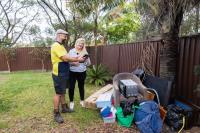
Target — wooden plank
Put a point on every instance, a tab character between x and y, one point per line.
90	102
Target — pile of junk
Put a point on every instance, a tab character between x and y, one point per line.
144	100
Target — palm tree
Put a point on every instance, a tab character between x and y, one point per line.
168	14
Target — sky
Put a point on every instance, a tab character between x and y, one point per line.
41	20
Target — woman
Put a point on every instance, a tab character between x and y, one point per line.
78	71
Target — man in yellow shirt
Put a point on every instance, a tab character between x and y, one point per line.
60	73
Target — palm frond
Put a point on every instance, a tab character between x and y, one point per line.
110	4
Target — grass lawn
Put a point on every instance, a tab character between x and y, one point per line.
26	104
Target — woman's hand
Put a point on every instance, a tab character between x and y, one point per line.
81	59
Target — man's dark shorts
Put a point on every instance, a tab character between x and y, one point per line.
60	83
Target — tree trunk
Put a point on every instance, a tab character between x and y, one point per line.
67	41
8	64
168	56
74	41
169	49
43	66
95	41
75	25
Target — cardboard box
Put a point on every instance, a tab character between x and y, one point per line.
90	102
104	100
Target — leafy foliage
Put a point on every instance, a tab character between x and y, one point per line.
166	12
190	24
5	42
88	7
121	29
42	42
9	53
98	75
121	23
169	16
94	10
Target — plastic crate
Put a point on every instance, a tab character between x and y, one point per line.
109	119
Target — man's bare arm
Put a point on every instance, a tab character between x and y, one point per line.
67	58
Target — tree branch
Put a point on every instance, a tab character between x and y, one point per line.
7	18
24	28
50	19
61	12
54	11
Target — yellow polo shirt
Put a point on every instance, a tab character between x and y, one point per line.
60	68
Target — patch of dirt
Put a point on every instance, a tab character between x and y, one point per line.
111	128
43	125
194	129
39	125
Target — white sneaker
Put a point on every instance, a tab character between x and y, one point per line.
82	103
71	105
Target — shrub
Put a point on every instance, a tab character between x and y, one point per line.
10	54
98	75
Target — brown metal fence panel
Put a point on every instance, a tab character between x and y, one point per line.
132	55
3	64
110	58
129	57
157	65
189	56
23	61
91	54
117	58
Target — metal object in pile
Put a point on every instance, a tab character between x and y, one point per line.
128	88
